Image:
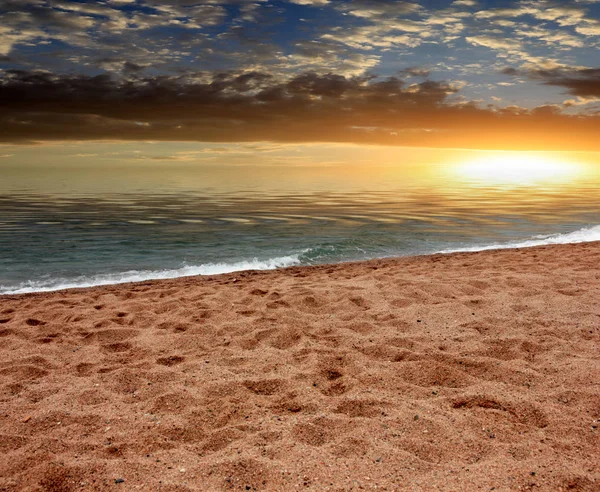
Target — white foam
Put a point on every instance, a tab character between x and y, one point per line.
580	236
47	285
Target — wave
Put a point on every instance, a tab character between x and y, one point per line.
584	235
51	284
316	255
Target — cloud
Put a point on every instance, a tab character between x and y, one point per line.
563	15
414	72
313	3
590	27
378	25
581	101
502	12
583	83
495	43
378	9
323	56
227	69
257	106
371	37
27	21
551	36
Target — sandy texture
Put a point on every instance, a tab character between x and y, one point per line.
472	371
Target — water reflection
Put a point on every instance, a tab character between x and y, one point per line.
71	224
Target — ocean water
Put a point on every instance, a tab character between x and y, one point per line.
76	227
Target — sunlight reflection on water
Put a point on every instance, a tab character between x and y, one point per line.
219	216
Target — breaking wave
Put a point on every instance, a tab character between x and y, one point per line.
308	256
580	236
50	284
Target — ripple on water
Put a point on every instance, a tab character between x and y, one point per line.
237	220
318	217
271	218
387	220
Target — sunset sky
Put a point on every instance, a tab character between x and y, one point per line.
193	78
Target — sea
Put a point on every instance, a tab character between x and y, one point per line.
78	226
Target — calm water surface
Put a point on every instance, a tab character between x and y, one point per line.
67	227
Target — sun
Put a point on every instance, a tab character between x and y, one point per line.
517	168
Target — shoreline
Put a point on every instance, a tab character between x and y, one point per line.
349	262
454	371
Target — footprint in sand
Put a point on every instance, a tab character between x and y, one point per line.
84	369
334	385
265	387
311	434
173	403
429	373
6	332
362	327
278	304
172	360
258	292
360	302
221	439
24	372
246	312
48	338
117	347
359	408
401	302
286	339
523	412
110	335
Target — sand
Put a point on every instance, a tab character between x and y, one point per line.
472	371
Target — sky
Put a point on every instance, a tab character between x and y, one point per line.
191	77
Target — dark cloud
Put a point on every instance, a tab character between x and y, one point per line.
225	95
256	106
510	71
580	82
132	68
26	14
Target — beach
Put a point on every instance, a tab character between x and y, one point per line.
465	371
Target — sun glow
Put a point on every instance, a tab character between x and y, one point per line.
518	169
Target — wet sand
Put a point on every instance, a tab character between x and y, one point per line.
472	371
